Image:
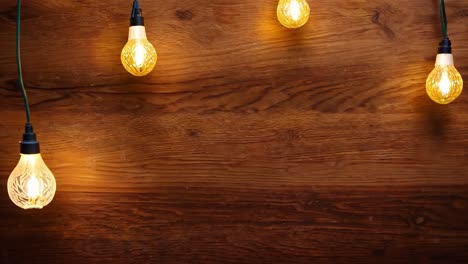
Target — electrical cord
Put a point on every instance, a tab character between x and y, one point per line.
18	64
443	19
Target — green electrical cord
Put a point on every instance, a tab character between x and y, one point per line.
18	64
443	19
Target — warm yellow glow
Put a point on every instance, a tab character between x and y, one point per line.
138	55
444	84
293	13
294	10
32	188
31	184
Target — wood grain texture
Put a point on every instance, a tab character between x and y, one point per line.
248	143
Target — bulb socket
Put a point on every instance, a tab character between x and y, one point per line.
137	19
29	144
445	46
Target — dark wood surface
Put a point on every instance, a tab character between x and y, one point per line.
249	143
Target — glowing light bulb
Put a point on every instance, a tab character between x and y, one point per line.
31	184
138	55
444	83
293	13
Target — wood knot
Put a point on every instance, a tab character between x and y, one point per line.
252	110
376	19
184	14
419	220
192	133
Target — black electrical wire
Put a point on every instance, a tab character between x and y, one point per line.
18	64
443	19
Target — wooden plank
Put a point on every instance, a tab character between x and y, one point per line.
233	56
196	224
249	143
130	153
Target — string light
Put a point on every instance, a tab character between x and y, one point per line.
444	84
31	184
138	55
293	13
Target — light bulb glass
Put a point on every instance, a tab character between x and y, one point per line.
31	184
293	13
444	83
138	55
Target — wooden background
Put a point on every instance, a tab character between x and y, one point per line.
248	143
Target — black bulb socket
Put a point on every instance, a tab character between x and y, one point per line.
445	46
29	144
137	19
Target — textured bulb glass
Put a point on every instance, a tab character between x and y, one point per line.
293	13
138	55
31	184
444	83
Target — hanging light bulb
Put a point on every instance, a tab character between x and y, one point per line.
444	84
138	55
293	13
31	184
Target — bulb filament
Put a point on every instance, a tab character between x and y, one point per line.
294	10
444	84
33	187
139	55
